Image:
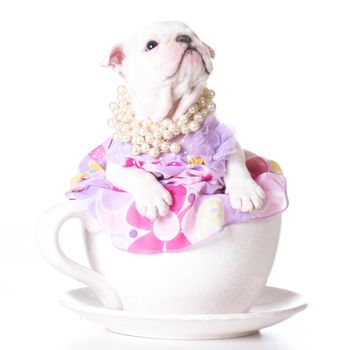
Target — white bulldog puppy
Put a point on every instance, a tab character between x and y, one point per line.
166	67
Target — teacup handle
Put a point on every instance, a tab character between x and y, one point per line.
48	231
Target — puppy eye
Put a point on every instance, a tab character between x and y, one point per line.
151	45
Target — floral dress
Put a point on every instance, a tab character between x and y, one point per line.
194	177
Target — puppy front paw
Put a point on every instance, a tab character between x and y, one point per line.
153	201
245	194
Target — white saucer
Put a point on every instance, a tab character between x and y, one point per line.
274	306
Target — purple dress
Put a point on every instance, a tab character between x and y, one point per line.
194	178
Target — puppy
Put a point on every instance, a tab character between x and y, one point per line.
166	67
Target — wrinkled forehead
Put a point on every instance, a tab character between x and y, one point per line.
158	30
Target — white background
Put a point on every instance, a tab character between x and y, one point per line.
279	79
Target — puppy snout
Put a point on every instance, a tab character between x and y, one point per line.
183	38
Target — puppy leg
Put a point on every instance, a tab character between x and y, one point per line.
151	198
245	194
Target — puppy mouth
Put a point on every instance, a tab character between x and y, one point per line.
190	50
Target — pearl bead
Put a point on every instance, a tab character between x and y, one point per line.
205	92
157	132
112	106
125	138
165	146
149	138
126	118
111	123
193	109
118	126
183	119
154	152
154	126
166	122
202	101
146	123
167	135
176	131
194	126
134	124
211	93
116	111
211	106
145	147
198	117
142	131
173	127
122	90
137	140
121	97
133	140
135	132
136	150
140	140
175	147
123	104
116	137
185	129
156	143
120	116
204	112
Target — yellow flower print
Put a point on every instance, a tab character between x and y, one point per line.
76	179
210	217
93	167
276	167
195	160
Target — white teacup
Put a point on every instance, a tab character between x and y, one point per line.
224	274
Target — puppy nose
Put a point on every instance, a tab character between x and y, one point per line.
183	38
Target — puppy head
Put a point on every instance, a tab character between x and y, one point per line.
164	53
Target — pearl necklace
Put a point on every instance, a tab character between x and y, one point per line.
150	137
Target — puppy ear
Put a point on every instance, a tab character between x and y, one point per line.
211	50
115	58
